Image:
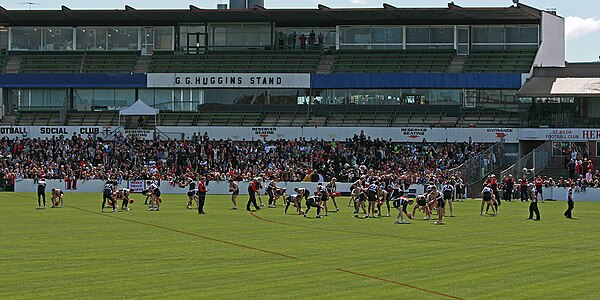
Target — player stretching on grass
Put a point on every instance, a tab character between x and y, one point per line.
361	197
323	196
296	200
401	204
313	201
422	206
155	200
109	188
57	197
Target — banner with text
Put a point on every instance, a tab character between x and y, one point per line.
142	134
12	132
400	134
228	80
137	185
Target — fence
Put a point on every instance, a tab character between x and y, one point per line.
476	168
530	164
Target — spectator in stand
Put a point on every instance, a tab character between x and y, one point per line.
571	168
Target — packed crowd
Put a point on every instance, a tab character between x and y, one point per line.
79	158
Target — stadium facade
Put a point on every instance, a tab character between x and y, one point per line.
463	66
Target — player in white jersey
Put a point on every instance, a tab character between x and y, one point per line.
57	198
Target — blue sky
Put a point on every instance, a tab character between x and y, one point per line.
582	16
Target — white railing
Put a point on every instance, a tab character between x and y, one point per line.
531	164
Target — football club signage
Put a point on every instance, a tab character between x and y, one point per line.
228	80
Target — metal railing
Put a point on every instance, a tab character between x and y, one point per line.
531	164
478	167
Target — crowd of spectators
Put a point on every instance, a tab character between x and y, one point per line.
76	158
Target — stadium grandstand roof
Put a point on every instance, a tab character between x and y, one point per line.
575	79
323	16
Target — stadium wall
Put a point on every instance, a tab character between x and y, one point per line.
215	187
84	80
552	48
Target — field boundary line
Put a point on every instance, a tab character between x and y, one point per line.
399	283
184	232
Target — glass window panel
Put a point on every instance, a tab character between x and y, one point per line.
416	35
442	35
26	38
58	38
122	38
521	35
104	97
378	35
163	38
393	35
488	35
163	99
3	37
356	35
124	97
146	95
91	38
83	99
463	35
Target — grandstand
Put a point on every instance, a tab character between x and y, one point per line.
375	67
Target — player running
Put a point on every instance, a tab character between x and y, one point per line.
235	191
192	193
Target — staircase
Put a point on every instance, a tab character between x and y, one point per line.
554	170
325	64
457	64
13	64
142	65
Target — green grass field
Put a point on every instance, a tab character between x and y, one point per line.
78	252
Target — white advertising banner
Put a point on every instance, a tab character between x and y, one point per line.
141	134
228	80
43	132
488	135
137	185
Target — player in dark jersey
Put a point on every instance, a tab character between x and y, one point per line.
234	189
372	197
392	194
332	190
304	192
41	192
252	191
437	200
401	204
192	192
57	198
488	197
109	188
313	201
361	197
570	204
422	206
296	200
270	191
155	199
448	193
323	196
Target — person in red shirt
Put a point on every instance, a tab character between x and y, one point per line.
252	191
201	194
539	183
523	189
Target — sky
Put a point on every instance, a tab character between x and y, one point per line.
582	17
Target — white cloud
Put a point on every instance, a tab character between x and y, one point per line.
577	27
358	2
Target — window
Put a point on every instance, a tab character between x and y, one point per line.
163	38
122	38
58	38
26	38
91	38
